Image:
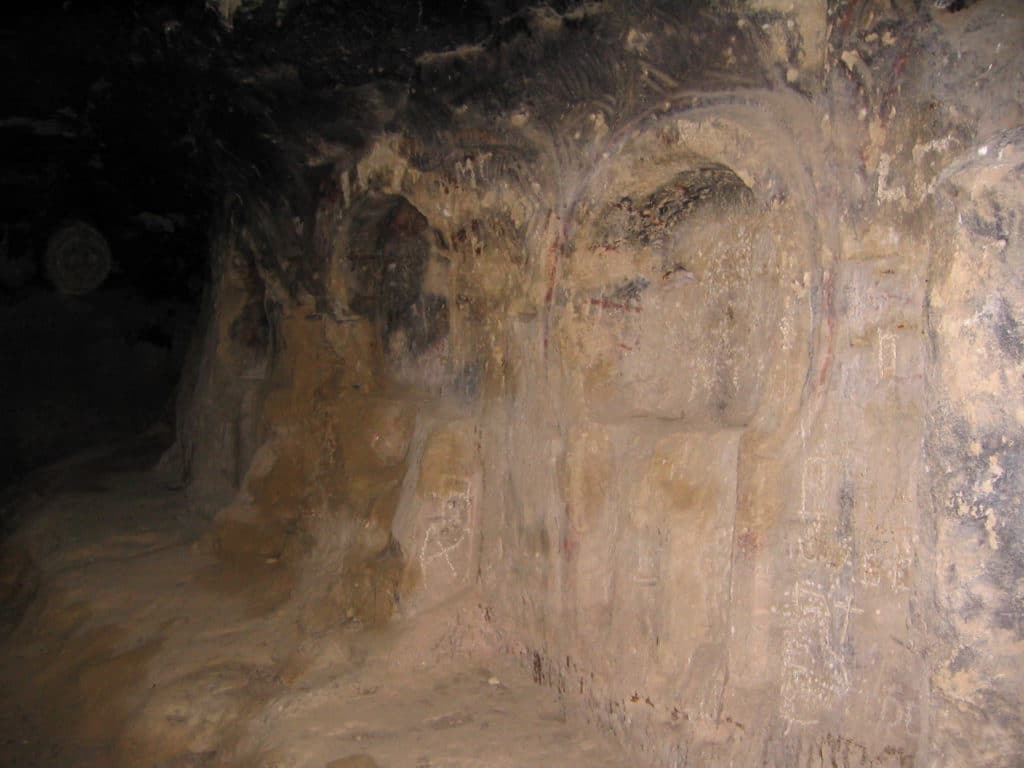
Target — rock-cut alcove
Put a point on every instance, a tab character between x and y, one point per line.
632	545
387	262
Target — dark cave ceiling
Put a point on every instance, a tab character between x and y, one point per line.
141	117
138	117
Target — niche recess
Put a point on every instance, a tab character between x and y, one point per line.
386	266
678	273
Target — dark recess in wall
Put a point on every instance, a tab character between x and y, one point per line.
102	123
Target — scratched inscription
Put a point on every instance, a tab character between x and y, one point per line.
445	551
815	674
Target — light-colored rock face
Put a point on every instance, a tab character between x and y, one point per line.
699	359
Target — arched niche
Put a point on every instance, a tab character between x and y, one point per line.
685	290
385	269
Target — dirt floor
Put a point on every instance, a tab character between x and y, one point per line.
125	642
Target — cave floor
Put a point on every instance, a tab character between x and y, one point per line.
125	643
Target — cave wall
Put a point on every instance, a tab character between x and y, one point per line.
686	342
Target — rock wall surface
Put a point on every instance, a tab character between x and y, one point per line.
687	341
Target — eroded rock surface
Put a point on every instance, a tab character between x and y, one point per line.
708	322
686	343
